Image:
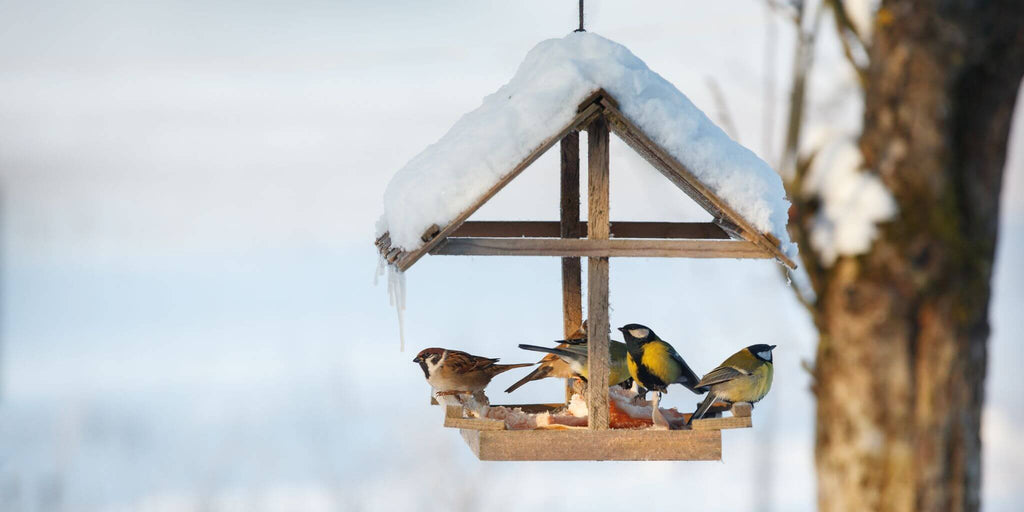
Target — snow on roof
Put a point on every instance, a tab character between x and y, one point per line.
487	143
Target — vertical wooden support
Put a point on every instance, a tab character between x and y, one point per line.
598	228
572	280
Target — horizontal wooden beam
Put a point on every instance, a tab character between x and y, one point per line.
582	444
722	423
600	248
454	418
628	229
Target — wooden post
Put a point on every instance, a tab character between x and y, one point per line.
572	280
598	228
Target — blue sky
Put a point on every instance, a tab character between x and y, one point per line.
187	199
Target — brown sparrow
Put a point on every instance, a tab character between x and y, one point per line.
453	372
552	366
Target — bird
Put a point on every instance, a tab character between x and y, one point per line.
654	364
574	354
552	366
745	377
453	372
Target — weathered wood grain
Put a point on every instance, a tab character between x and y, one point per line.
619	229
569	226
582	444
600	248
533	408
741	409
599	229
722	423
454	418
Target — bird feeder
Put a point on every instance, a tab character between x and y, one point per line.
613	104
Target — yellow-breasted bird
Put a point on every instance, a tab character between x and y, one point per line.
574	353
653	363
552	366
745	377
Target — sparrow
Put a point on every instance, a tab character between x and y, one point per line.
552	366
745	377
453	372
574	354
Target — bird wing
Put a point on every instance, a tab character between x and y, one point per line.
686	375
463	362
721	374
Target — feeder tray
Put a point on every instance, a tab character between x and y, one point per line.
489	439
728	236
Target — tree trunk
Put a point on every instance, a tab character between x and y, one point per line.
904	329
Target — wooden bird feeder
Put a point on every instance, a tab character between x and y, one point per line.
729	235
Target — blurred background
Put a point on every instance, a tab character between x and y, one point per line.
188	193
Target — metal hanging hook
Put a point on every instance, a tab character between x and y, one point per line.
581	19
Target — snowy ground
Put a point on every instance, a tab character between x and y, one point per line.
187	199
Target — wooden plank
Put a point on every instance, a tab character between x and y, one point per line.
454	418
682	177
569	227
619	229
409	258
581	444
596	97
430	233
599	229
741	409
722	423
679	230
533	408
472	438
740	249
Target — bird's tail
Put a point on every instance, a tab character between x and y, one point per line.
537	374
689	380
572	341
702	409
502	368
555	351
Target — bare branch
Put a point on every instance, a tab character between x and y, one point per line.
850	38
802	63
722	109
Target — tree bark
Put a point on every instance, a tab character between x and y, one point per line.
901	362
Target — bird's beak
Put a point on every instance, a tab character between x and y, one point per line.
416	359
772	347
621	329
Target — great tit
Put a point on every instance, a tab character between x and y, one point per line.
653	363
575	355
745	377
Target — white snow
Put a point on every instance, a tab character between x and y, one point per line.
853	202
485	144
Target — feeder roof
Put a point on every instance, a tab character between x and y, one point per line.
482	148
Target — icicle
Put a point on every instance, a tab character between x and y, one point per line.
380	270
396	294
